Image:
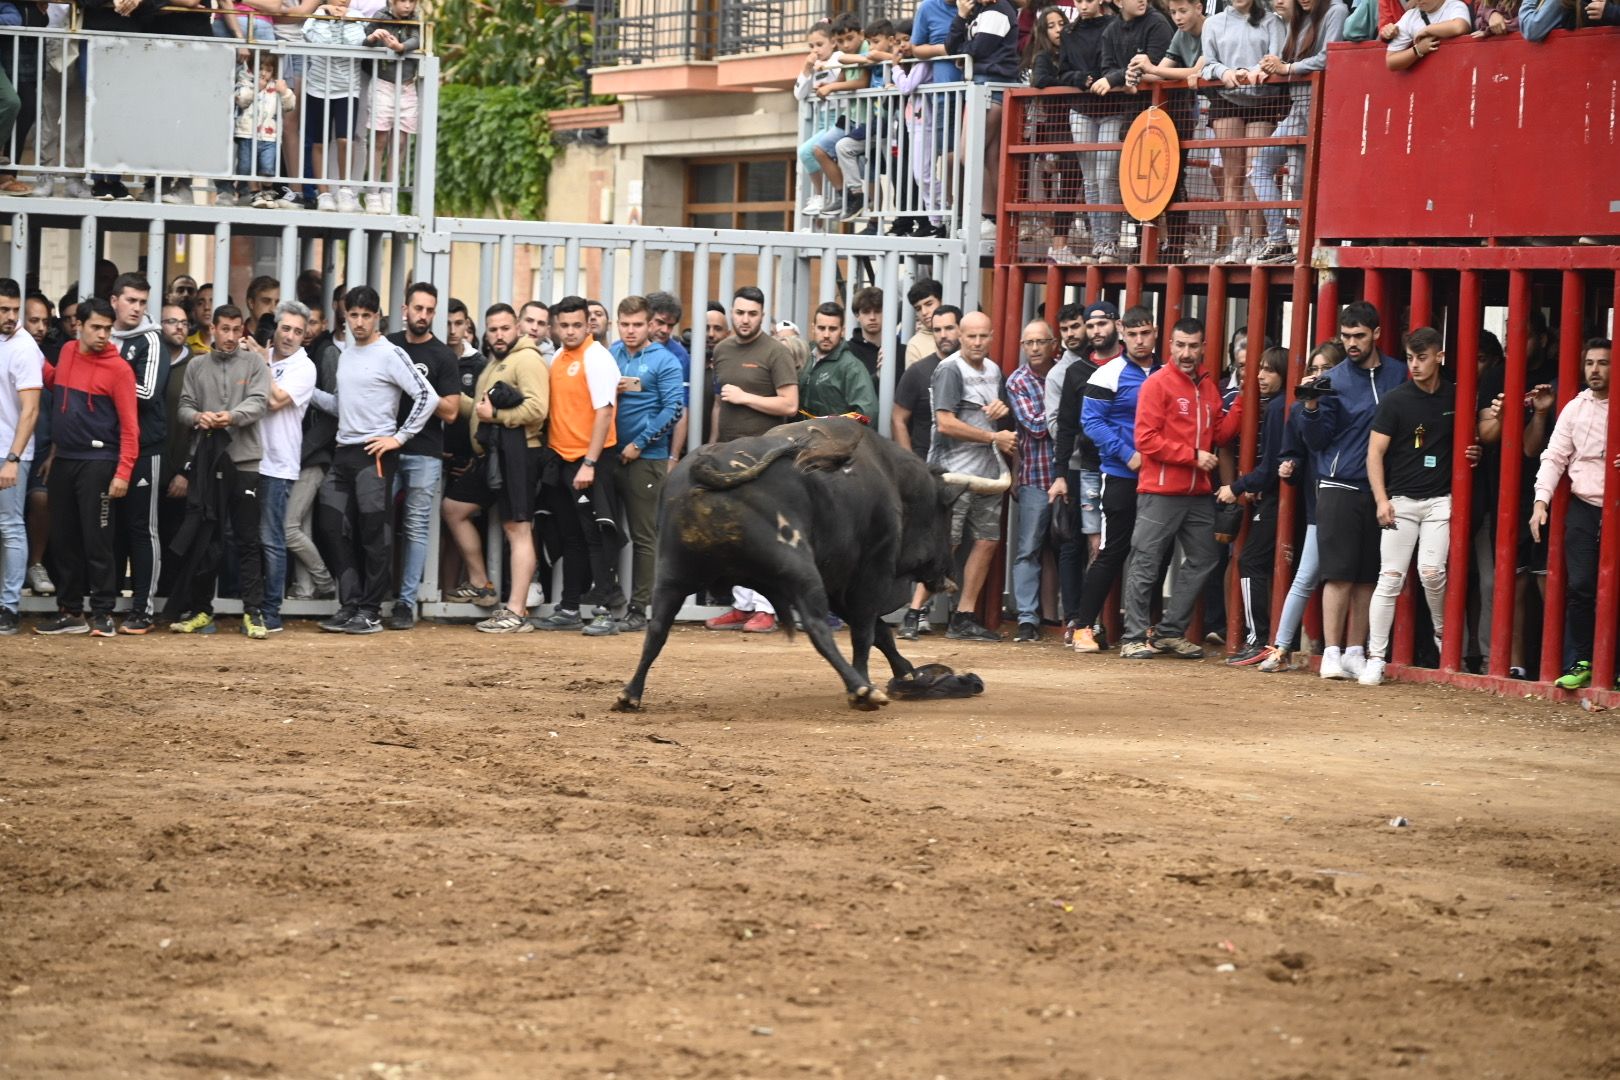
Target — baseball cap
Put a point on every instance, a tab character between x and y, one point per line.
787	324
1102	309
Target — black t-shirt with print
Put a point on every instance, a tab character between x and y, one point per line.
1417	464
437	363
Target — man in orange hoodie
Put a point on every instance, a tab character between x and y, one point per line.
1179	422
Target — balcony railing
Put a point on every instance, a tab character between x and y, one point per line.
1243	189
629	32
99	109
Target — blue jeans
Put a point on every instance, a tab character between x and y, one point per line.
1034	518
257	157
419	476
1299	593
14	538
273	492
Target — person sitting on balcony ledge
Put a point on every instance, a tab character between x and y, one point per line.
825	74
987	30
1426	24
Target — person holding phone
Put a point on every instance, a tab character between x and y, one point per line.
652	398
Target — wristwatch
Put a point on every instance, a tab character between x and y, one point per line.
13	459
588	461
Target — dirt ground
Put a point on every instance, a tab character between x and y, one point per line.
440	855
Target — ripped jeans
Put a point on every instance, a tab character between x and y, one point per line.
1424	526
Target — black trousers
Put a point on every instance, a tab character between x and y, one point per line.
590	561
355	516
1582	528
239	492
82	534
1254	569
135	519
1072	555
1119	522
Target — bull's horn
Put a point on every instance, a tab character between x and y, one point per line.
978	484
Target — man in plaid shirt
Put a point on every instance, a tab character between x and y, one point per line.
1026	392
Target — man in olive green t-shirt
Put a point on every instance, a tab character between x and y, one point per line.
759	389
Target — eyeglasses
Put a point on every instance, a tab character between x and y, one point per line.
1040	341
174	322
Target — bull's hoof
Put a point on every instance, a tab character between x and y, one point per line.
626	703
868	699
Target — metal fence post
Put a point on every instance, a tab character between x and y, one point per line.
698	368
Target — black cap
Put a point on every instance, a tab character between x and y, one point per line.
1102	309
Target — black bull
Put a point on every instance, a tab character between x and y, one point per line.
820	515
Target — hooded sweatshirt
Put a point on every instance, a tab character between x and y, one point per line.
142	346
1148	33
1176	417
1577	446
1338	431
95	417
234	382
523	369
836	385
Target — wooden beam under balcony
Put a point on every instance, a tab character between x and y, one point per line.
592	116
672	79
760	71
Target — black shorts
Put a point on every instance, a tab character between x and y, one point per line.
1347	535
516	502
1267	109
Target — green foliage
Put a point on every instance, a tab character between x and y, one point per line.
514	43
495	152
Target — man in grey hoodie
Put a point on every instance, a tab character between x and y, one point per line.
226	394
136	517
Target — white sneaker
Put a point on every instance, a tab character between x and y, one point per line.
1237	253
1331	667
39	582
77	188
813	206
537	595
325	201
1276	660
1372	673
1354	662
225	198
374	203
346	202
46	187
987	229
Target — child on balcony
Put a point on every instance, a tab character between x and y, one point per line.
1180	66
1080	65
823	76
332	92
882	51
261	98
816	74
1236	40
393	93
1426	24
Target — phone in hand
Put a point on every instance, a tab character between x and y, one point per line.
632	384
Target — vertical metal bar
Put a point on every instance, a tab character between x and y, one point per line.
1249	438
1175	289
355	251
287	262
1504	595
893	358
1608	591
306	254
1133	285
1572	318
669	270
638	267
19	248
728	286
697	373
392	293
157	249
1464	350
606	290
766	279
221	269
1327	304
548	273
398	280
504	279
570	285
1287	495
829	276
427	164
1420	307
486	280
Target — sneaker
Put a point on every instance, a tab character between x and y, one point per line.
273	624
833	209
1062	256
634	622
987	230
482	595
1578	677
136	623
63	624
364	622
505	621
1085	640
1027	632
347	203
1276	659
326	201
101	625
9	622
262	200
604	625
854	203
735	619
224	198
813	206
77	188
179	193
199	623
561	619
1372	673
1332	666
1137	650
1100	636
1353	661
288	199
908	624
1272	255
964	627
253	626
334	623
1250	656
1105	254
1215	638
760	622
403	617
373	203
46	187
1517	672
1237	253
1179	647
110	191
39	582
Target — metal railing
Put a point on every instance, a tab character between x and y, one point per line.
1243	195
749	26
99	109
629	32
914	160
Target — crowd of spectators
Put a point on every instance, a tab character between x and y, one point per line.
340	123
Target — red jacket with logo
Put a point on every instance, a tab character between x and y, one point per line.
94	398
1176	417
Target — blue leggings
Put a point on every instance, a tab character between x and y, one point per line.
827	141
1299	593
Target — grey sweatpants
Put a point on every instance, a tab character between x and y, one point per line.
1162	520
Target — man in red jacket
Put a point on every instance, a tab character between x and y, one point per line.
95	438
1179	422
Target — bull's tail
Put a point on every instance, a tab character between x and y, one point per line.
733	468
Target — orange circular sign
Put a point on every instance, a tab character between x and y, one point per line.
1149	163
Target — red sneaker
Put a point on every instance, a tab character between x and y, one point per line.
731	620
763	622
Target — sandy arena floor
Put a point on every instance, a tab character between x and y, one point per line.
440	855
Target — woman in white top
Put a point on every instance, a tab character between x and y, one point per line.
1236	40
